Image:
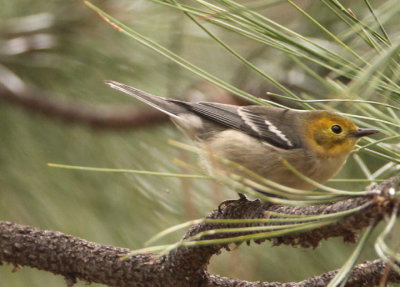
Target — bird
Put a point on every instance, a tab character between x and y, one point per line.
259	138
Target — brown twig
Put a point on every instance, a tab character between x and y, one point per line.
40	102
365	274
81	113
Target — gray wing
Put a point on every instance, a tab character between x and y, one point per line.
252	120
247	119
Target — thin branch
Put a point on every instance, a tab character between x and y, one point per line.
365	274
40	102
81	113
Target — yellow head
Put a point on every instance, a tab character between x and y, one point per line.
330	134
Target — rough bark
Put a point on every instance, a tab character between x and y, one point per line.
187	266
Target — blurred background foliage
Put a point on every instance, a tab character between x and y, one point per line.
63	49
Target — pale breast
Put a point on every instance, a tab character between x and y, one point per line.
267	160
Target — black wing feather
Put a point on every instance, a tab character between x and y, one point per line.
243	119
223	114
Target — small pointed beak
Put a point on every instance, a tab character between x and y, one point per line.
364	132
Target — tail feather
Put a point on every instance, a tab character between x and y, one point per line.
161	104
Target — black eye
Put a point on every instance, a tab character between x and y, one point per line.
336	129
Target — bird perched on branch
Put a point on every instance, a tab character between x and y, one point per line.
315	143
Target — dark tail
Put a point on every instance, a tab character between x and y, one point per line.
161	104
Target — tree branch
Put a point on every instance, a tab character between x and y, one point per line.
76	112
186	266
40	102
368	273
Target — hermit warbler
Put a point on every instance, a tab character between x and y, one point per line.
316	143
